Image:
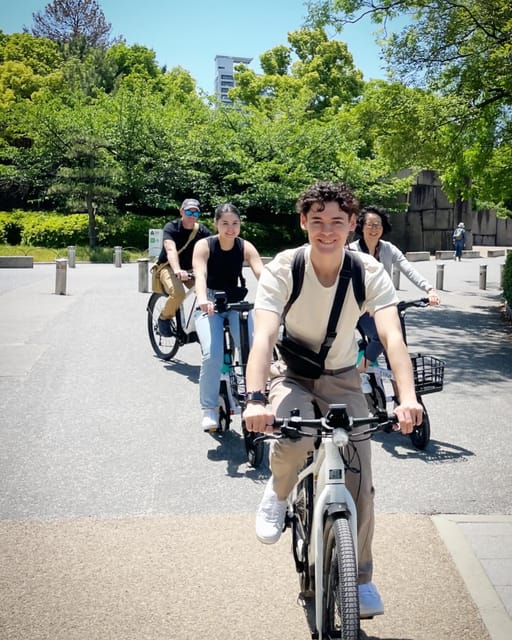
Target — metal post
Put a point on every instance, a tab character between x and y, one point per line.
61	268
396	278
118	256
483	276
439	277
71	257
143	274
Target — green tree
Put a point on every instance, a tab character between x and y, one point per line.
459	49
68	20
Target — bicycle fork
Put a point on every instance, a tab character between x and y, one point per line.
332	499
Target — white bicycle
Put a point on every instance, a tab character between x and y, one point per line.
322	517
182	325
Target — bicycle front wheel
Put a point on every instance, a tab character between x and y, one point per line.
165	348
341	592
420	435
254	449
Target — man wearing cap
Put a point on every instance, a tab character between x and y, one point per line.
179	238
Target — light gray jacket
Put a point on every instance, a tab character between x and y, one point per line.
390	255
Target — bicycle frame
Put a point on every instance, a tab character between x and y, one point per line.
185	320
331	496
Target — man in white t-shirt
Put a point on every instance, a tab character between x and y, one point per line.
328	214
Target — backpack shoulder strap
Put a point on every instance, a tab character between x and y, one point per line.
298	269
357	268
355	264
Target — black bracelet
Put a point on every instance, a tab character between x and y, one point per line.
256	396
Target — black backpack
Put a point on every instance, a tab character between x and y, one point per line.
299	267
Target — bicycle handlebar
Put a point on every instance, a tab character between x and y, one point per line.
337	417
407	304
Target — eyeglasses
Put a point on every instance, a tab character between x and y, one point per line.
189	212
373	225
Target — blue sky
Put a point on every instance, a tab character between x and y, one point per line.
191	33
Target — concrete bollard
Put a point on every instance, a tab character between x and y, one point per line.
143	274
61	268
483	276
440	277
396	278
118	256
71	257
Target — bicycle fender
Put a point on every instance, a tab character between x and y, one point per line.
338	509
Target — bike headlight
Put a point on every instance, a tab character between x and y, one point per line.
340	437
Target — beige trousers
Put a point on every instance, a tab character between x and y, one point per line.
175	289
287	458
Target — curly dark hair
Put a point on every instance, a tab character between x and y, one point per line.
386	224
322	192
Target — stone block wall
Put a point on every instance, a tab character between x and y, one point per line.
430	219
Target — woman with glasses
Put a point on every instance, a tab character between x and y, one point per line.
218	263
175	260
372	224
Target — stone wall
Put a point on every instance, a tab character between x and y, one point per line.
430	219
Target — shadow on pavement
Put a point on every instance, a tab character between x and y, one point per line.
231	449
479	343
435	452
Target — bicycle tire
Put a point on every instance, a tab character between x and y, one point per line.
224	413
341	591
253	450
420	435
164	348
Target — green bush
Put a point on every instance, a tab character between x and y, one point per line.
507	279
11	227
56	231
53	230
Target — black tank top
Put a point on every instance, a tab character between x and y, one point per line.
224	268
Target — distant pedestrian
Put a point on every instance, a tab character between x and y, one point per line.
459	240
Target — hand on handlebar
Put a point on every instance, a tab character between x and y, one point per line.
259	418
183	275
410	415
433	299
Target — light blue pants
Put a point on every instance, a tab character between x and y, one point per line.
210	332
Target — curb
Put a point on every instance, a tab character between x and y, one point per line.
492	610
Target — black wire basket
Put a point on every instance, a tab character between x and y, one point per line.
428	373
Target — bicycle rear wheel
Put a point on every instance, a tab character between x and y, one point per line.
420	435
165	348
341	594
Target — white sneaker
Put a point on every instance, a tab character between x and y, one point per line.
209	422
370	602
270	516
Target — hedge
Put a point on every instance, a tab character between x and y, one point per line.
56	230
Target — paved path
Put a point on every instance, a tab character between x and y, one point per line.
115	524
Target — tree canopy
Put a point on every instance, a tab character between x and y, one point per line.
68	20
459	50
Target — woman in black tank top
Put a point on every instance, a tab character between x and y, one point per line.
217	265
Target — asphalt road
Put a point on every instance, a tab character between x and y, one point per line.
114	504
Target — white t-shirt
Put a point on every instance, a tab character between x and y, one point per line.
307	318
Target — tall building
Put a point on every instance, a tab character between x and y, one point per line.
224	75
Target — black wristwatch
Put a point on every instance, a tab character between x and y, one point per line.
256	396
